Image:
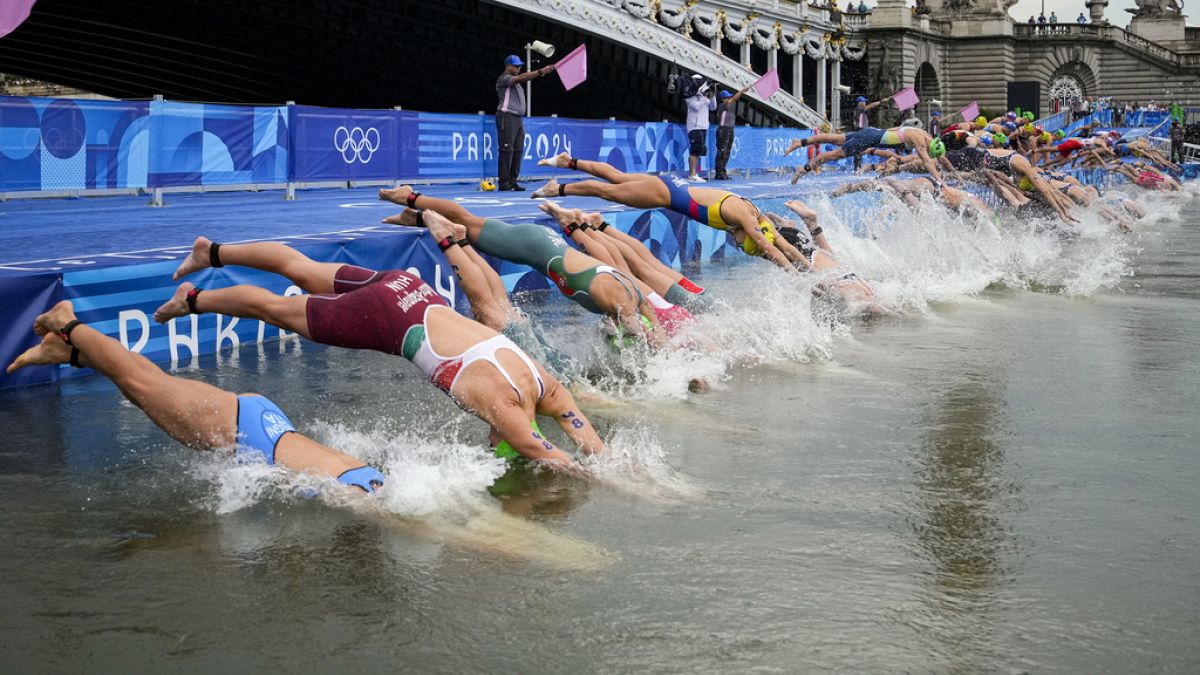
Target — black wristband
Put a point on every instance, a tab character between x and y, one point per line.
65	333
816	231
214	255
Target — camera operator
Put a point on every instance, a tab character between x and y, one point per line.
699	104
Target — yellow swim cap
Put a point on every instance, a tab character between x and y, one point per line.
1025	183
981	121
1045	137
748	244
487	185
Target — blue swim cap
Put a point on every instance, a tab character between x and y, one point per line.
936	113
513	60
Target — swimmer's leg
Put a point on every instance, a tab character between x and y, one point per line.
642	194
455	212
251	302
474	282
194	413
312	276
601	170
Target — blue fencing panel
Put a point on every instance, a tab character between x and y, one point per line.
66	144
22	299
451	146
345	145
205	144
761	148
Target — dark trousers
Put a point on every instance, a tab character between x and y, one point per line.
1177	151
724	147
510	136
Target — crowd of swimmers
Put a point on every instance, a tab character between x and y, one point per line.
498	365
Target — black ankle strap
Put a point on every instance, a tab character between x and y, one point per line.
74	359
602	226
214	255
573	164
191	299
65	333
562	190
447	243
421	218
570	228
411	199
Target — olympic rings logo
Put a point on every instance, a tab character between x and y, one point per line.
355	144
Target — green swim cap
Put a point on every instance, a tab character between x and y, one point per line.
1060	134
1029	115
1000	139
936	148
505	450
620	339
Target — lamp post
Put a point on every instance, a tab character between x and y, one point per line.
545	49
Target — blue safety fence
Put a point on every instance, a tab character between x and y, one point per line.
74	145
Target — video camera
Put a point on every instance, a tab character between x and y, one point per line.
688	86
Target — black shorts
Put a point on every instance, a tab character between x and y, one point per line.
696	143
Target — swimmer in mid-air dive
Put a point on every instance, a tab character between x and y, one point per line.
856	143
394	312
193	413
593	285
909	191
815	247
750	229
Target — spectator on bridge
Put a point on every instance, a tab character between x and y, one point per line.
1041	23
726	120
698	106
935	123
1053	17
510	114
1081	19
862	7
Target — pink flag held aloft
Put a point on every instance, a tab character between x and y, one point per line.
906	99
970	112
13	13
572	68
768	84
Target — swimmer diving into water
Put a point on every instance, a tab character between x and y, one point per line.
394	312
193	413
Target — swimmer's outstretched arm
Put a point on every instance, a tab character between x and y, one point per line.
558	403
193	413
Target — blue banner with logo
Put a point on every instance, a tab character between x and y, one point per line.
65	144
347	145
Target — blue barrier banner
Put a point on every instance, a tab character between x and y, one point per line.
205	144
759	148
346	145
22	299
66	144
450	146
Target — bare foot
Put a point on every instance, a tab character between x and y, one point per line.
197	260
550	189
560	214
594	219
52	350
397	195
439	226
801	209
407	218
796	175
562	160
176	306
53	321
794	146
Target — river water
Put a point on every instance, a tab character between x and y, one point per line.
1002	475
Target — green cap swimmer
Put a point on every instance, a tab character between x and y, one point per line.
936	148
620	339
1000	139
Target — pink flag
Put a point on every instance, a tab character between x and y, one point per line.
970	112
13	13
768	84
572	69
906	99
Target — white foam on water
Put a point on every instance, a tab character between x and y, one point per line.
637	464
